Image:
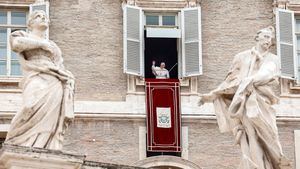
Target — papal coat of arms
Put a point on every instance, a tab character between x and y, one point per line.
163	115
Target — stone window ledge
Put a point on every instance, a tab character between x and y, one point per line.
136	85
10	79
10	84
183	82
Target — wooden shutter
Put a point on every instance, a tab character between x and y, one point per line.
285	32
132	41
44	6
191	42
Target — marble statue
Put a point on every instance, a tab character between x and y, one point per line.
48	88
243	104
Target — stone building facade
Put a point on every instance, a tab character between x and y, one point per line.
110	122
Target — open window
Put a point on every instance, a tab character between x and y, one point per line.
285	31
161	50
161	42
170	37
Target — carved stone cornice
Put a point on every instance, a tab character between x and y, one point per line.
165	4
294	7
129	2
193	3
281	4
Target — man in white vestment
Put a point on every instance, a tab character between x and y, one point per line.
160	72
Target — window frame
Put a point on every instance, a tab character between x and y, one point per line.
160	19
297	17
177	25
135	82
9	27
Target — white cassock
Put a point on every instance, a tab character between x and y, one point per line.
160	73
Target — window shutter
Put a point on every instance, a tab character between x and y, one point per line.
132	41
285	31
191	42
44	6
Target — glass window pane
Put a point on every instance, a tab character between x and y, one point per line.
18	18
297	25
2	52
152	20
298	42
15	68
3	17
2	67
3	36
168	20
298	63
298	54
14	55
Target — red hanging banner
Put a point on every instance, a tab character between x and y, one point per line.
163	115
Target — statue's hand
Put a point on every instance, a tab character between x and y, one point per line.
205	98
49	47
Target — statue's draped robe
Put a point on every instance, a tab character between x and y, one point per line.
244	107
47	99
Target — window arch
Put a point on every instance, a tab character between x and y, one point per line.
165	162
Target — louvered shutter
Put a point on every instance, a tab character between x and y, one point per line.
285	42
132	41
191	42
44	6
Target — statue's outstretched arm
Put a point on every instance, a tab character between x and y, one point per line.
228	86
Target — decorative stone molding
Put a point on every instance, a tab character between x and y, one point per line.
166	161
99	165
129	2
280	4
39	1
19	157
294	7
135	82
193	3
164	5
159	4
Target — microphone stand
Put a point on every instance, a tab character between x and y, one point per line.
172	67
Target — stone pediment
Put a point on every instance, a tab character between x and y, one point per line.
162	4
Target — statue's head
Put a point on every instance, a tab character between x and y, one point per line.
265	36
38	20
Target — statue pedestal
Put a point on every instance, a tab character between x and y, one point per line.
18	157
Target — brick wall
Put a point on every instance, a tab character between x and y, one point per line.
229	27
110	141
90	36
214	150
89	33
116	141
